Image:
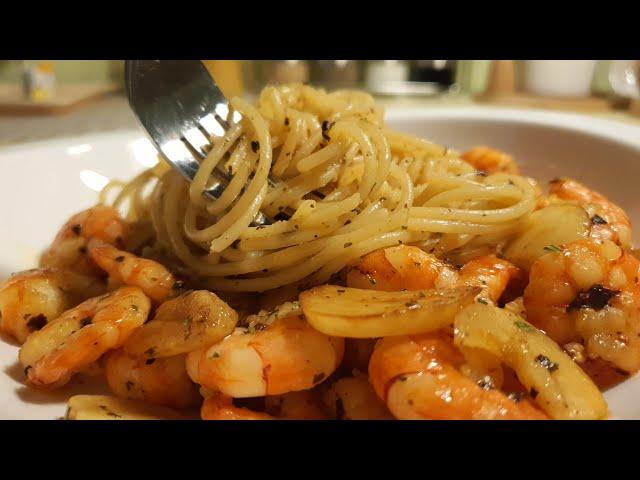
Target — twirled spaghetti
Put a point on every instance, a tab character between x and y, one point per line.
377	188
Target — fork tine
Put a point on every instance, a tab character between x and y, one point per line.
198	142
211	126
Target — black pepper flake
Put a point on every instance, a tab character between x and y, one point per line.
347	222
372	280
286	121
516	396
546	363
598	220
255	146
119	259
348	244
129	385
340	291
178	285
26	370
149	361
402	378
318	377
150	351
85	321
37	322
533	393
411	305
82	250
597	297
77	229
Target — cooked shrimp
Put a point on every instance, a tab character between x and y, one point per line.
588	292
608	220
302	405
286	356
220	407
353	398
399	268
69	248
30	299
490	161
418	378
81	335
161	381
493	274
410	268
125	268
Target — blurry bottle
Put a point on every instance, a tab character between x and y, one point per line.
289	71
228	75
38	81
380	74
442	72
335	74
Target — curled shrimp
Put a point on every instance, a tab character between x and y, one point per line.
69	248
410	268
587	292
161	381
608	220
490	160
288	355
80	336
401	268
128	269
418	378
30	299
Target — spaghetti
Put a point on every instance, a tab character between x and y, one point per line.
379	188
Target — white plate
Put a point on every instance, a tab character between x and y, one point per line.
43	183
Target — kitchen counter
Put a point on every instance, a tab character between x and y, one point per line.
112	113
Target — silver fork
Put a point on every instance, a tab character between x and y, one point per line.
182	109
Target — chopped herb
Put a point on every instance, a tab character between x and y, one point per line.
119	259
37	322
598	220
546	363
597	297
255	146
552	248
318	377
524	326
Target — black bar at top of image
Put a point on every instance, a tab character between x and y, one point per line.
375	30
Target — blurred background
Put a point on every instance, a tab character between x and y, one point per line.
44	99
